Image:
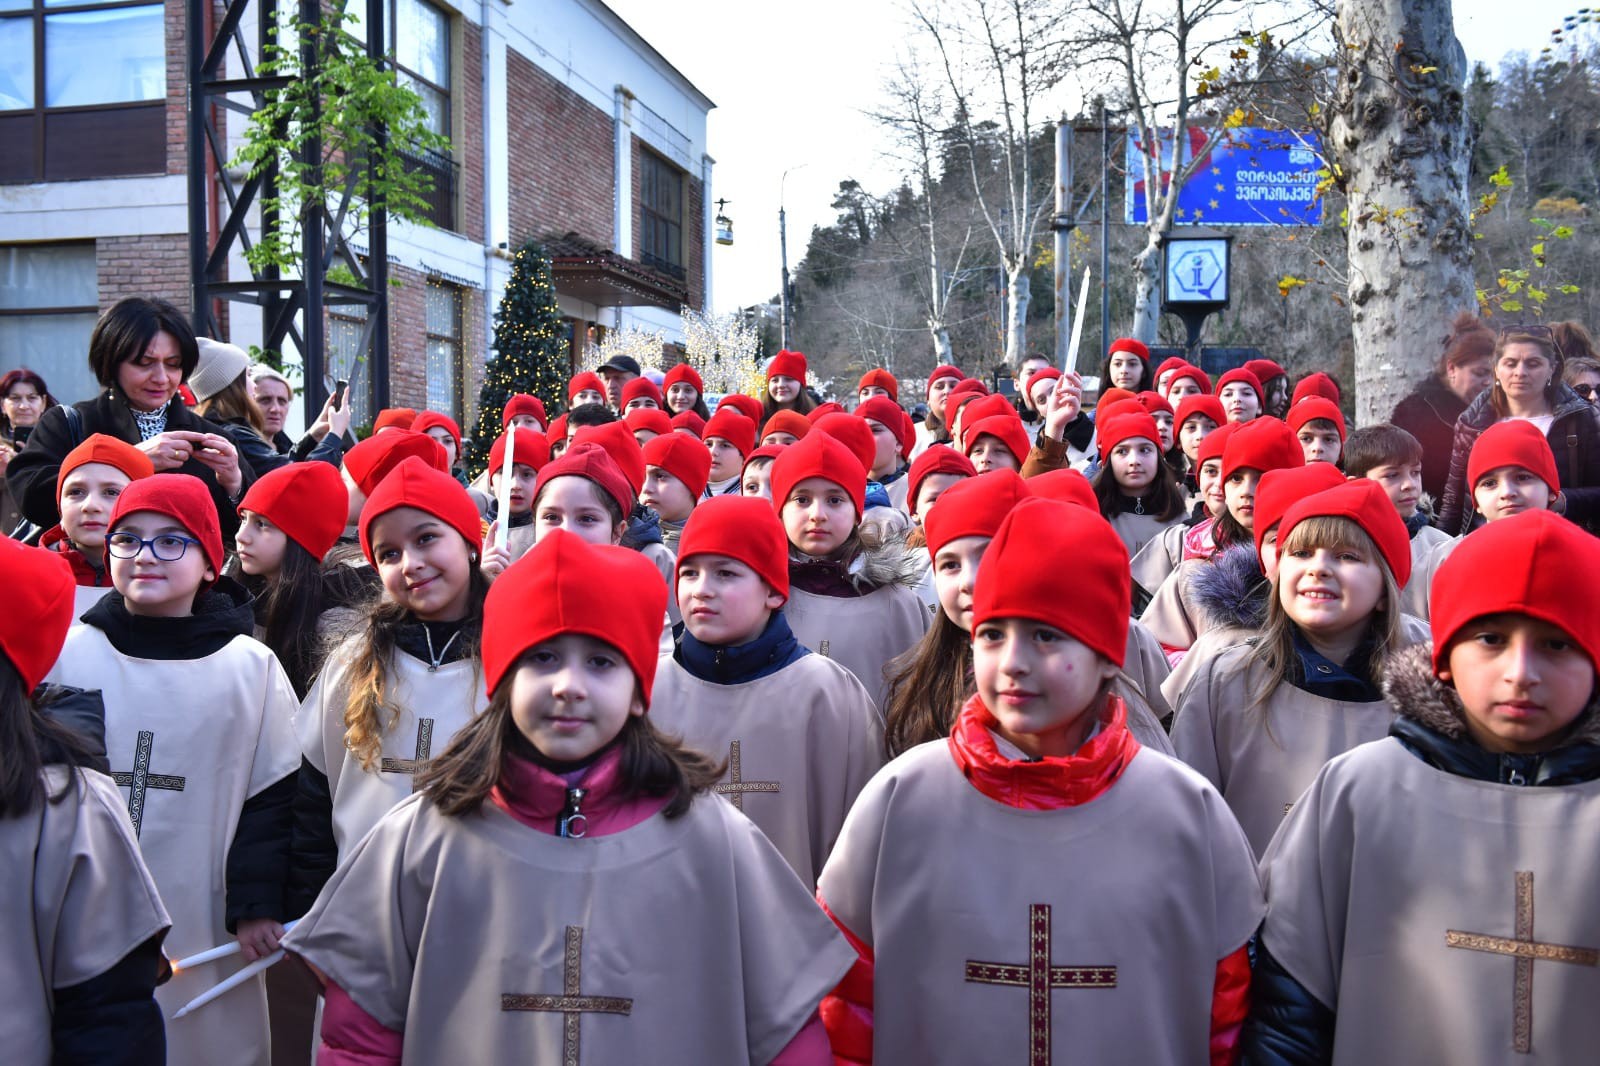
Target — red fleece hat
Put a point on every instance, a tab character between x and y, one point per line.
1089	600
1198	376
766	451
988	407
973	508
1216	442
394	418
789	365
1318	384
101	448
617	439
1114	395
1364	502
792	422
1239	373
652	419
748	406
1048	373
640	388
1171	362
1108	411
882	379
1312	408
434	420
1007	429
938	459
854	434
732	427
532	449
369	462
1110	432
1128	344
823	410
1066	486
1191	406
1154	402
682	374
308	501
958	401
523	404
416	484
184	499
1514	443
1533	557
39	609
883	410
1281	489
588	459
1261	444
1265	370
685	459
819	455
940	372
745	528
558	428
689	422
566	585
588	379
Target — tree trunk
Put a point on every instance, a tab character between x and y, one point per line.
942	353
1399	138
1147	290
1021	288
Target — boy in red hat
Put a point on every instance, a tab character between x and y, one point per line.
785	427
1066	434
523	411
999	442
892	439
1042	780
91	478
729	436
531	452
756	480
676	471
1392	457
585	388
800	734
1318	425
1462	846
198	730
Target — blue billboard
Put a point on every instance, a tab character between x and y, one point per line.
1249	177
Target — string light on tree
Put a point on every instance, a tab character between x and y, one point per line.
643	346
530	350
725	350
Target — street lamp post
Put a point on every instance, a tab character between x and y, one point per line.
785	310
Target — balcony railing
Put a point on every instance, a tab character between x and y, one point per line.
446	175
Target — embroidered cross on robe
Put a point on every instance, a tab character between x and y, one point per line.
572	1004
140	779
736	786
424	751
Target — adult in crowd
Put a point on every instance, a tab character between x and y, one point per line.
23	398
273	395
223	394
1584	376
141	350
616	372
1528	386
1430	412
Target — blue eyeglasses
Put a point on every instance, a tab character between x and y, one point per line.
167	547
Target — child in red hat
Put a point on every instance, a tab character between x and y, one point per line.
647	423
585	493
729	437
748	406
893	437
1316	384
585	388
785	427
933	474
370	461
562	841
1066	434
1187	381
641	394
1460	846
786	386
963	859
676	471
523	411
688	423
877	382
1195	419
531	453
999	442
1318	425
851	597
1392	457
756	478
738	683
940	382
1138	493
1241	395
198	730
84	919
684	390
91	478
1127	366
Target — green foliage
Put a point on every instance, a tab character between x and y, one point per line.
530	350
1524	286
273	358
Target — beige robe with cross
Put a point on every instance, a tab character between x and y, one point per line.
860	633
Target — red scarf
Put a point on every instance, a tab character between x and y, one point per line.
1046	784
1198	542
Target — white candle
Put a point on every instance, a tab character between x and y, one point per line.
221	951
230	984
502	529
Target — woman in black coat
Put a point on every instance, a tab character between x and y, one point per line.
141	351
1429	414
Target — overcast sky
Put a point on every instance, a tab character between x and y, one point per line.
790	82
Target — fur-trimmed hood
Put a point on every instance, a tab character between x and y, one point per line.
1231	590
865	563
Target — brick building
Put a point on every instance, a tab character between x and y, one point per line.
565	125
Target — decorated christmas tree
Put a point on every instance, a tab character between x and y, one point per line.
530	349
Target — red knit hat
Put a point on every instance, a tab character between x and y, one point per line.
39	609
566	585
1114	395
788	364
1312	408
685	459
416	484
588	459
1364	502
1110	432
689	422
394	418
819	455
640	388
650	419
583	382
617	439
1216	443
853	432
885	411
958	400
732	427
1200	377
1318	384
1514	443
745	528
1048	373
766	451
1065	485
101	448
1239	373
938	459
682	374
973	508
1007	429
369	462
748	406
1533	558
882	379
532	449
1089	600
1171	362
308	501
1108	411
1281	489
793	423
823	410
942	371
988	407
523	404
1128	344
434	420
183	498
558	429
1154	402
1261	444
1265	370
1206	405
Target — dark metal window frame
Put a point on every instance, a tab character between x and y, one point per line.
661	235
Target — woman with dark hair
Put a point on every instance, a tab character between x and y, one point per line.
23	398
141	351
1429	414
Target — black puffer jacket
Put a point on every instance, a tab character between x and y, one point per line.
1574	437
1429	414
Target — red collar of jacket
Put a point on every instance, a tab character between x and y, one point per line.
1046	784
83	571
536	796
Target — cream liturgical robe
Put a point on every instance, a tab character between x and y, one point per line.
1145	665
682	943
1429	548
1159	557
429	708
860	633
1137	530
800	744
75	898
86	596
1447	920
191	740
999	933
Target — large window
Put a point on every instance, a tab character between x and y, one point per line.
661	211
82	89
445	372
48	307
348	357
